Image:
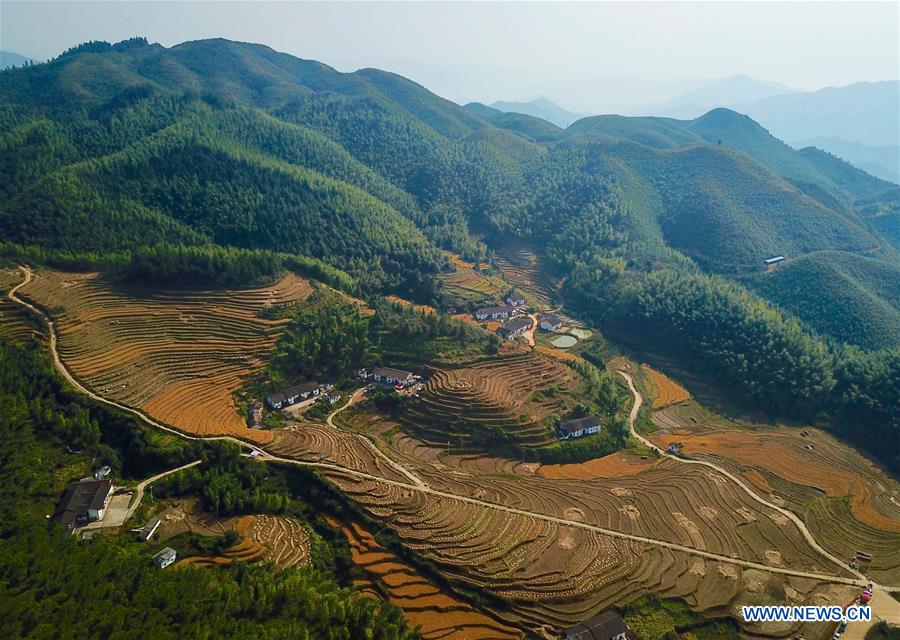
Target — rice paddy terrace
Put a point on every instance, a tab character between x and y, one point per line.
440	616
179	356
521	266
264	538
468	284
847	502
16	322
514	394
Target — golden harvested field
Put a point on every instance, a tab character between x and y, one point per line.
847	502
179	356
615	465
277	539
440	615
515	393
667	391
553	574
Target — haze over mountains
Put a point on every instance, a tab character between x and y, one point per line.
858	123
10	59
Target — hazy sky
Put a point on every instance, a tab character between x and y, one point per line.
489	51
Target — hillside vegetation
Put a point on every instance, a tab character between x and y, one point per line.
111	148
847	297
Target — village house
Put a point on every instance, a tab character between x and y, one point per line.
148	529
333	398
83	501
494	313
255	416
386	375
165	557
578	428
609	625
293	395
515	300
774	262
551	322
514	328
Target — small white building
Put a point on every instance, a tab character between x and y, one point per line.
293	395
579	428
165	557
387	375
551	322
515	300
149	529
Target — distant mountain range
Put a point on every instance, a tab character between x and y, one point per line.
541	108
858	123
10	59
737	89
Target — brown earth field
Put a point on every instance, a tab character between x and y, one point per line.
515	392
177	355
16	323
553	574
265	538
667	391
521	267
848	502
439	614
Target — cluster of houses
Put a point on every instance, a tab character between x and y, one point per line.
517	324
579	428
290	397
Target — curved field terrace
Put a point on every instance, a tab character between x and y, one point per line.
179	356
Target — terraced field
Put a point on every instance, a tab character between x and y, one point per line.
552	574
179	356
515	394
15	321
275	539
466	286
522	268
848	503
440	615
667	391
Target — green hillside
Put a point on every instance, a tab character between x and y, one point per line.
847	297
208	147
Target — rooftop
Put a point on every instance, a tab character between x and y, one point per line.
774	259
503	309
391	373
607	625
571	426
81	496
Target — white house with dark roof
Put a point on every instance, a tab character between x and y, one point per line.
387	375
494	313
293	395
579	428
515	300
165	557
551	322
514	328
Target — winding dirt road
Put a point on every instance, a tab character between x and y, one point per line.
883	606
413	486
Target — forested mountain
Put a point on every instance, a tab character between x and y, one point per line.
854	299
217	143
